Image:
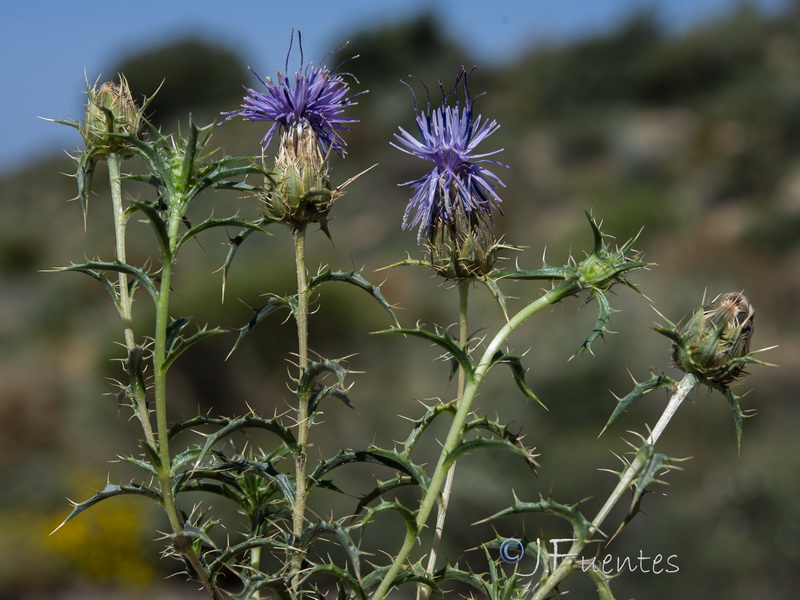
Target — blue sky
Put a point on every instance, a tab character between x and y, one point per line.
46	44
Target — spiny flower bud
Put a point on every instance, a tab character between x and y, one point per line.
301	192
110	112
607	266
463	249
715	343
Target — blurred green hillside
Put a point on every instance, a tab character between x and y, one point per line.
693	136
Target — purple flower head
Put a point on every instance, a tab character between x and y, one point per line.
448	138
315	96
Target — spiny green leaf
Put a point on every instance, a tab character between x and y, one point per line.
218	489
601	582
221	561
184	344
518	371
407	515
417	574
382	488
353	278
189	535
211	223
494	289
448	573
110	491
254	582
480	443
153	153
234	243
600	326
251	421
379	456
135	366
639	390
503	432
173	332
190	148
420	425
138	274
274	303
409	262
86	164
738	414
322	528
151	453
443	340
242	466
145	466
106	283
83	177
197	421
597	234
159	226
569	512
545	273
220	176
320	392
340	574
654	465
185	458
307	381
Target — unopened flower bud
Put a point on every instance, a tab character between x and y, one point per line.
715	343
607	266
463	249
110	113
301	192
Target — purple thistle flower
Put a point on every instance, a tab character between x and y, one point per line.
316	96
449	136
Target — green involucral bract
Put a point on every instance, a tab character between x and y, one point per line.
111	114
463	249
715	343
301	192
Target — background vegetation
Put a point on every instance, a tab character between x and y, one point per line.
695	136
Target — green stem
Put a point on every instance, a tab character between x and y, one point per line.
125	300
456	428
685	386
162	426
301	318
441	515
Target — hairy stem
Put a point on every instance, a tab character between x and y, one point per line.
301	318
685	386
456	428
125	300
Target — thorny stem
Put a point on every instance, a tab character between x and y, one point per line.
463	339
456	429
685	386
125	300
301	317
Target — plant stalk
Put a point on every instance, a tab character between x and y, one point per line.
686	385
162	426
125	300
456	428
301	318
463	339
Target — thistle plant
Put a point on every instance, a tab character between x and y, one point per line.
272	547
